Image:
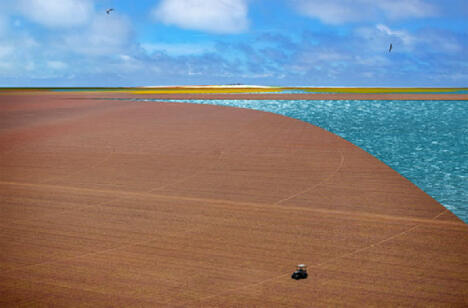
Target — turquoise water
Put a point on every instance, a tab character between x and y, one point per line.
425	141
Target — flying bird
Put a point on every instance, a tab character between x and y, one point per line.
390	49
108	11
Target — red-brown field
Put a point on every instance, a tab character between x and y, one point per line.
119	203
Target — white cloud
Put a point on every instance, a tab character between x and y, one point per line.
404	36
3	24
441	42
57	65
178	49
379	37
216	16
127	63
56	13
342	11
5	50
48	53
30	65
106	35
397	9
372	61
332	12
17	54
319	59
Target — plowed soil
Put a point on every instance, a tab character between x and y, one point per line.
120	203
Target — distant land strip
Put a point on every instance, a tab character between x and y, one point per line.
299	96
253	93
239	89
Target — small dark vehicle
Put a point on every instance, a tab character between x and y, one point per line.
300	273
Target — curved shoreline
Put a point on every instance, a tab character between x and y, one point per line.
182	204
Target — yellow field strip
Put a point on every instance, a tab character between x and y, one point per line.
227	90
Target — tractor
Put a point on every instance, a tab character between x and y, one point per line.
300	273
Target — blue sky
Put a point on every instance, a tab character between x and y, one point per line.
264	42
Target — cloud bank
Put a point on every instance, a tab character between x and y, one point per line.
56	13
105	35
215	16
70	37
342	11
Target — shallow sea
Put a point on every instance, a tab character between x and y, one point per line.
425	141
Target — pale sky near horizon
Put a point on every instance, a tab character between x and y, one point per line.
264	42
